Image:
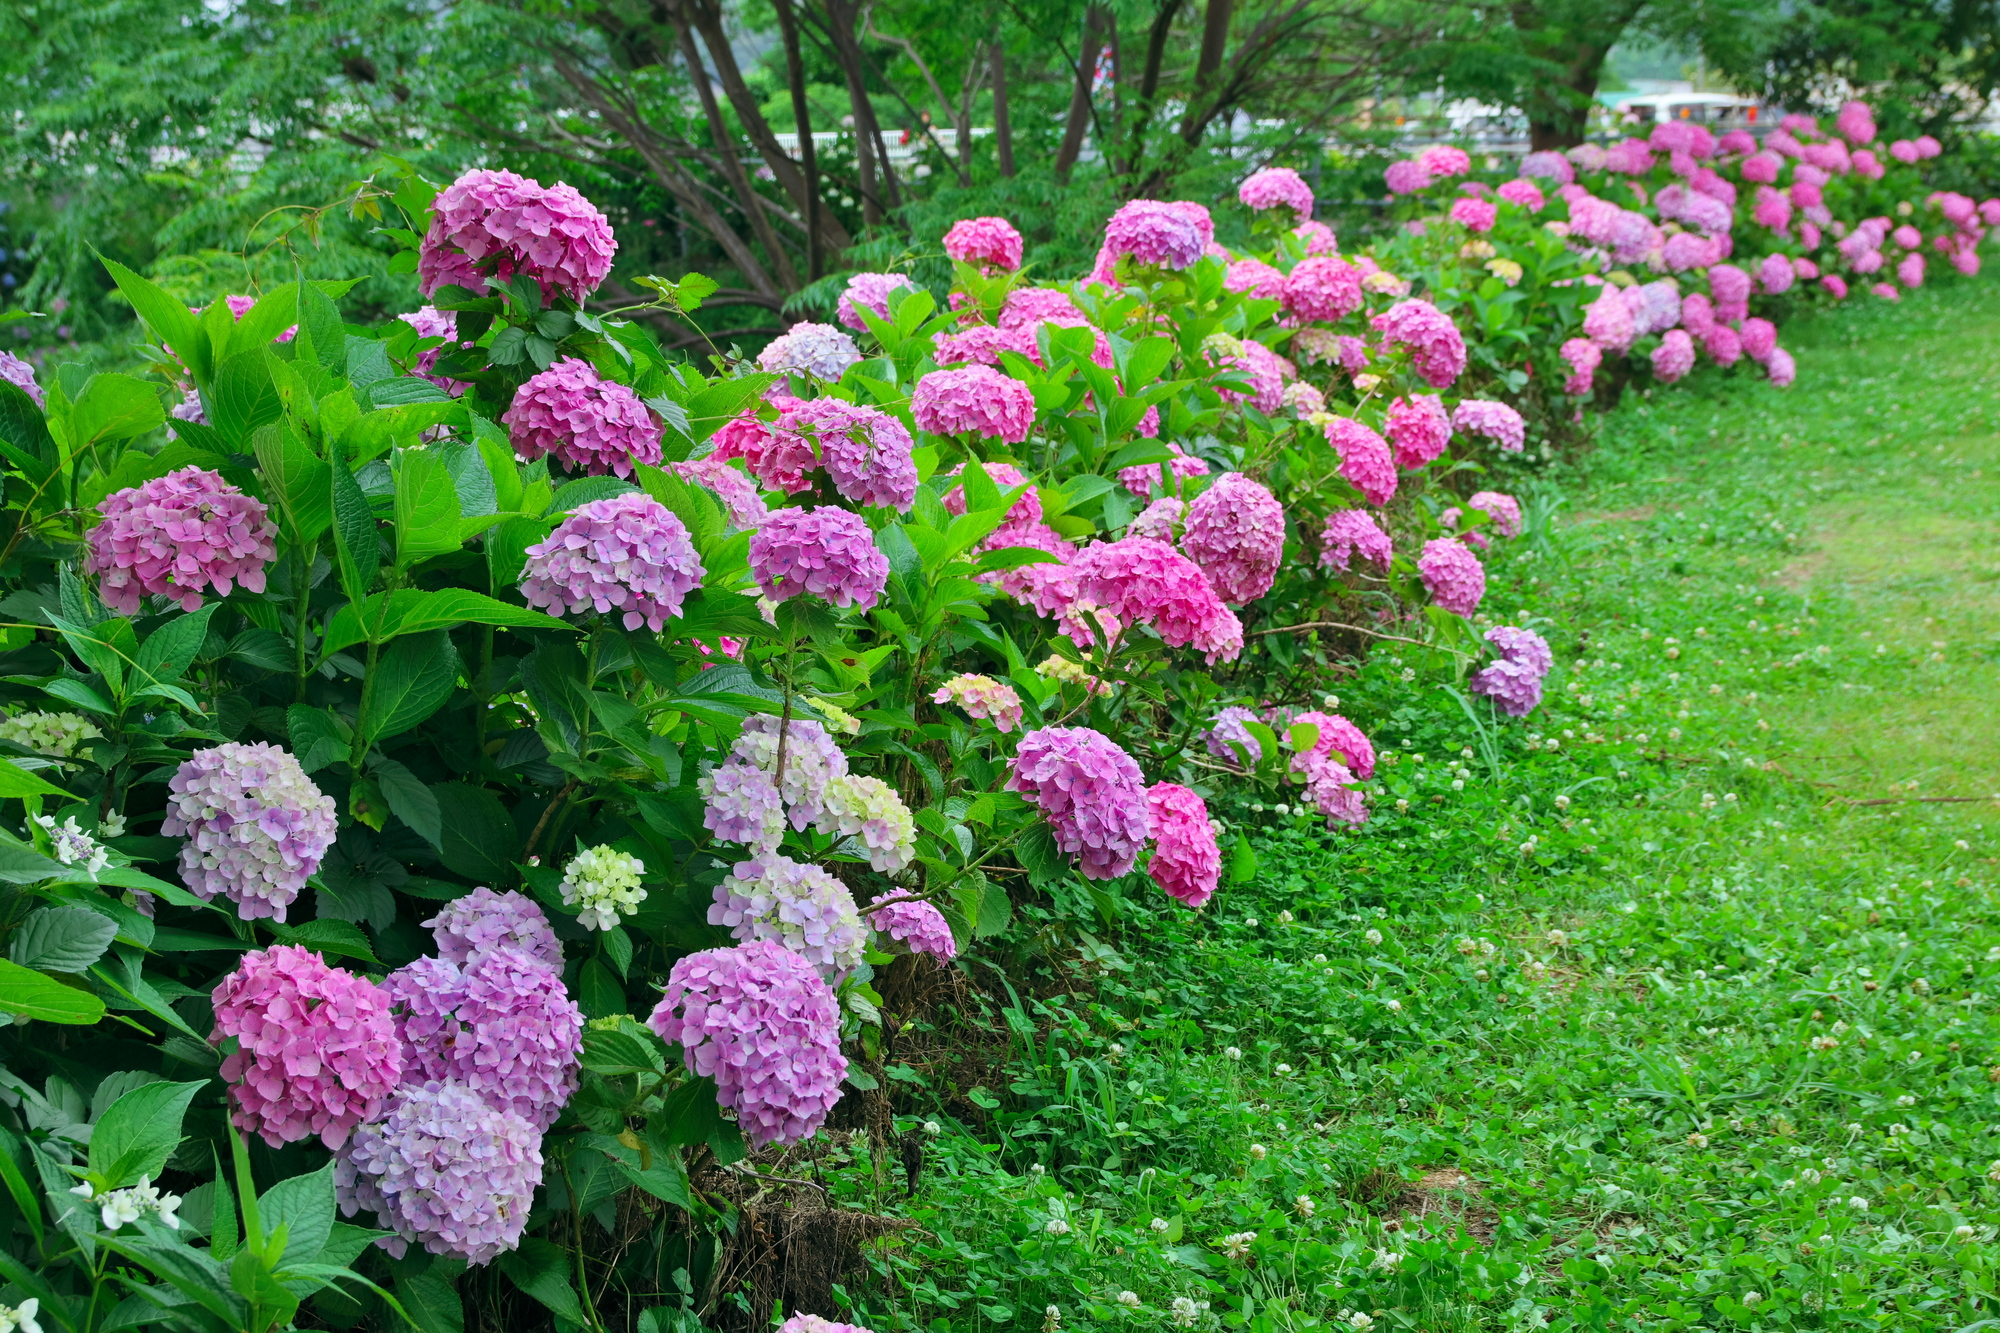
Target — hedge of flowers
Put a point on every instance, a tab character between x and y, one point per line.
508	762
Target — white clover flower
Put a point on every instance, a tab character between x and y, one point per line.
1250	921
1559	939
1232	1053
1306	1207
933	1128
1284	1069
1753	1298
1962	1233
1858	1204
1237	1243
1697	1140
1258	1152
604	883
1159	1225
1056	1226
1373	936
1051	1320
1395	1006
1357	1320
1186	1312
1388	1261
1037	1169
1129	1299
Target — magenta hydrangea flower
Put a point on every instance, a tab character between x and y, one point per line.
829	553
1723	343
1729	289
582	420
1496	421
176	535
1277	187
316	1050
1318	238
982	697
1583	356
1186	862
21	375
1524	192
737	492
1442	160
1906	152
1145	582
628	553
771	897
1330	786
1406	177
1236	532
1418	428
918	926
1910	270
1091	794
1776	274
982	344
256	826
974	400
1629	157
1453	575
1503	513
1476	215
762	1023
470	927
813	351
1256	278
992	243
1325	288
1781	368
1349	532
1155	233
1607	321
1141	480
1040	305
1437	350
870	292
1674	357
1265	370
1759	338
866	452
445	1169
1365	460
553	235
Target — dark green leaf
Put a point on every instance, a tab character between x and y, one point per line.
140	1131
297	479
316	736
410	800
412	680
61	939
242	397
542	1270
479	840
167	317
354	537
432	1304
319	319
170	650
427	510
304	1205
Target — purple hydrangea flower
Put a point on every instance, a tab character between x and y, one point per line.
742	806
737	492
627	553
316	1049
1453	575
256	826
1227	727
1674	357
763	1024
176	535
814	351
1277	187
445	1169
829	553
870	292
1349	532
424	997
1091	793
470	927
1522	646
1154	233
866	452
513	1034
1236	533
919	925
1496	421
22	376
973	400
1514	689
1330	786
553	235
582	420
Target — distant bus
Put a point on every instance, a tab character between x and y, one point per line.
1718	111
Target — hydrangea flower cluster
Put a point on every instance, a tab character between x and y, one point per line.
59	735
1437	349
1674	357
772	897
1277	187
866	452
1236	533
628	553
585	422
992	243
1151	232
811	351
1365	460
256	826
445	1169
1495	421
316	1050
512	1035
469	927
1091	793
1024	512
1513	680
1501	509
604	883
973	400
1453	575
1226	731
21	375
829	553
983	697
1338	737
1255	277
869	809
1325	288
430	322
176	535
870	292
919	926
1330	786
1161	520
1351	532
1141	480
1419	429
1144	582
737	492
760	1021
498	222
1186	862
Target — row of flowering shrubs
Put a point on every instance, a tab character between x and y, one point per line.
636	726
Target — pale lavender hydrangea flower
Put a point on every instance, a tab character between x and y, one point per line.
813	351
868	809
553	235
870	292
470	927
445	1169
1351	532
1091	794
919	926
742	806
174	536
424	996
628	553
582	420
763	1024
1227	731
1496	421
21	375
865	451
256	826
1236	533
812	760
829	553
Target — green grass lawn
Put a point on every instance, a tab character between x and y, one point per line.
1668	1007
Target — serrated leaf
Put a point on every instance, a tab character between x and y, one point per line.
140	1131
61	939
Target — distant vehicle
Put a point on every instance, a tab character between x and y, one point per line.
1718	111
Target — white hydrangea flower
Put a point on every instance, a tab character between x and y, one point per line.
57	734
870	809
20	1318
604	882
72	846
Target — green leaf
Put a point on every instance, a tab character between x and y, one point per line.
431	1303
479	839
1242	861
242	397
427	510
304	1206
354	538
542	1270
339	938
167	317
170	650
140	1131
317	736
16	781
319	320
410	800
104	648
414	611
411	680
276	311
114	407
618	1053
61	939
996	910
300	481
373	432
692	1116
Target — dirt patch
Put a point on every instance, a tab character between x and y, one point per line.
1638	515
1440	1194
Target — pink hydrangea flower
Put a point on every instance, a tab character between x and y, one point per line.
1365	460
975	400
1685	250
1406	177
1151	232
1005	476
1141	480
983	697
582	420
1759	338
176	535
256	826
1835	285
1351	532
1318	238
21	375
829	553
1910	270
1040	305
1781	368
1776	275
918	926
1503	513
1729	288
1091	794
1331	789
1655	306
1723	343
497	222
764	1025
737	492
1186	862
1496	421
628	553
445	1169
772	897
1805	270
1524	192
1264	368
316	1051
1477	215
870	292
430	322
1857	121
1443	160
1277	187
1587	156
811	351
1337	736
1326	288
1144	582
1418	428
1548	166
1256	278
1160	520
469	927
1437	351
1236	533
982	344
1886	290
1867	165
992	243
1607	321
865	452
1674	357
1453	575
1583	356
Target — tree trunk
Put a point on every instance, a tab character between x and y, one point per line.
1571	39
877	189
1003	128
1149	81
795	78
1079	99
732	164
1214	46
1559	112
